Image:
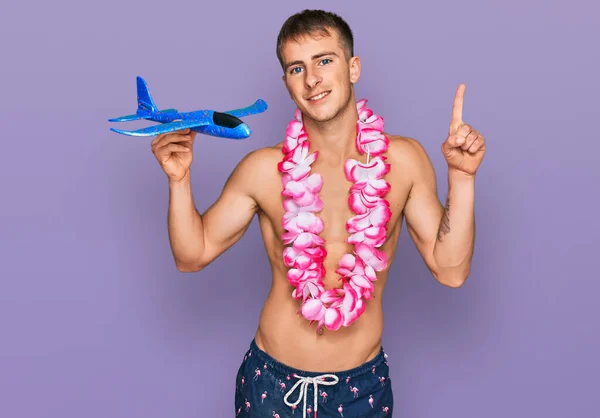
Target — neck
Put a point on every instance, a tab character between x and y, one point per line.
335	139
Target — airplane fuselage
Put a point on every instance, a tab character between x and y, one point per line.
221	124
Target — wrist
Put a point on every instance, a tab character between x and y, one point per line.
457	176
182	183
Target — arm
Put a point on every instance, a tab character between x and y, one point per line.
196	240
444	236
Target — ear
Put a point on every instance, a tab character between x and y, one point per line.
354	65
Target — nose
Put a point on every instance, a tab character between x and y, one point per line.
313	79
241	131
244	130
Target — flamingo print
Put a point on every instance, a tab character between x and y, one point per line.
257	375
263	397
275	415
385	409
371	400
354	390
281	386
247	405
323	395
341	410
382	380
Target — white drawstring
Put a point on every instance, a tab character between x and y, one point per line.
303	382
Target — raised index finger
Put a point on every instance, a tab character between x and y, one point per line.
457	108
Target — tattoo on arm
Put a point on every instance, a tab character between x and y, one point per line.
445	223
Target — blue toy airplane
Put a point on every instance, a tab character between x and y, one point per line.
209	122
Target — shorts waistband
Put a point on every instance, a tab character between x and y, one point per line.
367	367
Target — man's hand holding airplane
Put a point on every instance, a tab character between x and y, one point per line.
173	151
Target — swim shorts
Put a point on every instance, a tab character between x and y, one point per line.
267	388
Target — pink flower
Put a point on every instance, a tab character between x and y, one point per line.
378	216
302	259
360	202
371	257
291	207
355	313
302	222
291	142
346	265
308	286
313	309
374	236
357	171
363	111
297	163
302	240
372	141
333	319
371	122
304	192
368	177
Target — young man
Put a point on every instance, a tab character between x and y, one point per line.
330	200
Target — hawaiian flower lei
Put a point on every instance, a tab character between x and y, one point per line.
368	231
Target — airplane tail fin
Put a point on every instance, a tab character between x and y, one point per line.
146	108
145	103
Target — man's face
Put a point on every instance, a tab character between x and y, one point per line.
317	75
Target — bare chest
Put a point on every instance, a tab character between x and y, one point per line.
334	194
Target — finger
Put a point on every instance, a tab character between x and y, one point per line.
477	145
453	141
170	149
457	107
469	139
171	137
161	136
464	130
156	139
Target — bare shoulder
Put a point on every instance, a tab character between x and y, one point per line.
257	162
256	169
261	158
408	156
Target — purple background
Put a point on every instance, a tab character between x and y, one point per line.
95	320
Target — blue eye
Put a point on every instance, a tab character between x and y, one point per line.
294	70
326	59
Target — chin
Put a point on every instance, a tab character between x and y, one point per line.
325	111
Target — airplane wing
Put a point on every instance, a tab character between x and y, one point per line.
166	127
258	107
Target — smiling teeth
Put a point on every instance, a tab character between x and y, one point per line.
319	96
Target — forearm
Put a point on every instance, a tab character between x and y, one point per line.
185	227
454	244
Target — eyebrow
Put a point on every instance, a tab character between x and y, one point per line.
314	57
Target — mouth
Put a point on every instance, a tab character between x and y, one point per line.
319	96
